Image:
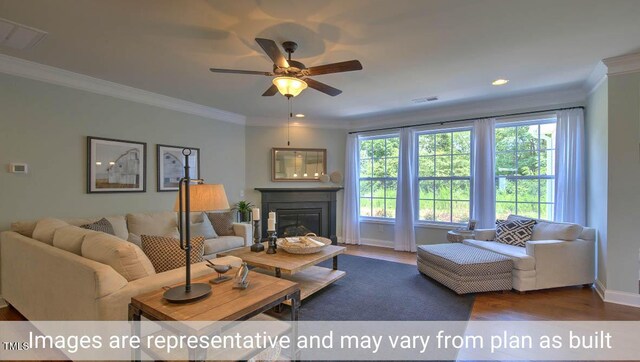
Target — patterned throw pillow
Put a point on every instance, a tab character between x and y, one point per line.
223	222
102	225
165	253
514	232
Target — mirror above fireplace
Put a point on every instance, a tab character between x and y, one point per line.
298	164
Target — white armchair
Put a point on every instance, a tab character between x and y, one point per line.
558	255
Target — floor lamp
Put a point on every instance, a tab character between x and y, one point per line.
193	198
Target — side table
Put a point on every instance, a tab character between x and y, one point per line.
457	235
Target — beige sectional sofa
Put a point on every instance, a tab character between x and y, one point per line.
558	255
53	270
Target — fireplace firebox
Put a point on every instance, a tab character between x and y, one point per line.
301	210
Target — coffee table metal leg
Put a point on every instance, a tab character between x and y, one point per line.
335	262
295	305
134	317
278	275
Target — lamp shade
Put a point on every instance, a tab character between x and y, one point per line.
289	86
204	197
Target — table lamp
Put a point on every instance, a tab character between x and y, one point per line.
193	198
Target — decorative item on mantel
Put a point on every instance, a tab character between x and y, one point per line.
335	177
271	229
257	235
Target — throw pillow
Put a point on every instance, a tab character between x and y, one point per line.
223	222
45	229
70	238
204	229
102	225
514	232
125	258
156	223
165	253
135	239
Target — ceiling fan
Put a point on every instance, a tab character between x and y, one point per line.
291	77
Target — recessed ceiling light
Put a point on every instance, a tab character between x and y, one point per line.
299	115
500	81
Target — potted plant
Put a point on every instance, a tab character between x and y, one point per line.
244	210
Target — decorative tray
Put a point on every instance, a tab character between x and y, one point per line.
307	244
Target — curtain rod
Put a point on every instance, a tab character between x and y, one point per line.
467	119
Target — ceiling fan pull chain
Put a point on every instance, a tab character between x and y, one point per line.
289	120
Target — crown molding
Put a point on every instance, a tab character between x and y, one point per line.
623	64
297	122
529	102
596	78
44	73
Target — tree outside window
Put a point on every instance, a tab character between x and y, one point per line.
379	176
444	176
525	169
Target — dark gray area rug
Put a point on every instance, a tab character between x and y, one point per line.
379	290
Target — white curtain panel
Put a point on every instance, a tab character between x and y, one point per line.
570	193
483	188
351	204
405	236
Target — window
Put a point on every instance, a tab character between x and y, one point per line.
525	168
444	176
379	176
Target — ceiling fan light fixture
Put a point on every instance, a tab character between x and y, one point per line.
500	81
289	86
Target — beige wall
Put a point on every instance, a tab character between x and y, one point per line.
623	242
596	123
260	141
46	127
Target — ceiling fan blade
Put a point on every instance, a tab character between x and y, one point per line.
319	86
271	49
271	91
237	71
347	66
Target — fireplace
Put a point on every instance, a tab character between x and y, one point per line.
301	210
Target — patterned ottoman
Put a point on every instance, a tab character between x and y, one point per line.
464	268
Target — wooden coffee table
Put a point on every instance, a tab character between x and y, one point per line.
299	268
224	304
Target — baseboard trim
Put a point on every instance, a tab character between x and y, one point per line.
377	242
624	298
600	289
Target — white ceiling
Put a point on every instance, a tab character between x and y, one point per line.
409	48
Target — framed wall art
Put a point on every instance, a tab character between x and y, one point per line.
171	166
116	165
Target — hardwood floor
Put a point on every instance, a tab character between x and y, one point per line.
572	303
568	304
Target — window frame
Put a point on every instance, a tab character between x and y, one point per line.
377	219
529	121
418	178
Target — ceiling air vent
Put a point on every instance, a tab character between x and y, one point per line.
18	36
424	100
